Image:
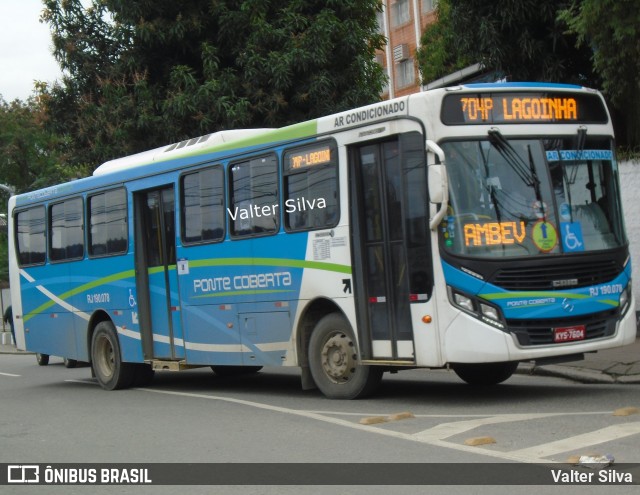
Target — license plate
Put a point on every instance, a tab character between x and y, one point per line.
568	334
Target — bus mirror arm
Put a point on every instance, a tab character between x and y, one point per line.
438	184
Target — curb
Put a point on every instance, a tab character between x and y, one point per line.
11	349
580	375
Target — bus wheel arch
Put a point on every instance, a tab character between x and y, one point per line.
313	312
485	374
96	318
334	360
106	359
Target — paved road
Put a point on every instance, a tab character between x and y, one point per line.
56	415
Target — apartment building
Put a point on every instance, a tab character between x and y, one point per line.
402	22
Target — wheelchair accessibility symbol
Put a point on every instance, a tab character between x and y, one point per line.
572	237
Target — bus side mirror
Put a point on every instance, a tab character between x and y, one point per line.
438	183
437	180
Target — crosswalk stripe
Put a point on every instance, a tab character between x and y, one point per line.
578	442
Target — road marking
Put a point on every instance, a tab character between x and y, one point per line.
8	374
446	430
436	436
349	424
580	441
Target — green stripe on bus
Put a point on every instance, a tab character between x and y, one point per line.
81	288
314	265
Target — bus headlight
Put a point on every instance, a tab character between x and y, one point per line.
478	308
624	300
489	311
463	302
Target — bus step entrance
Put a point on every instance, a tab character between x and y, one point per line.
160	365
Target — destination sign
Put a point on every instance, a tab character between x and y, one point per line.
308	157
522	108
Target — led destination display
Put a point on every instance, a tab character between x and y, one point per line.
531	108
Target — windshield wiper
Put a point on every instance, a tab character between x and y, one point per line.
525	171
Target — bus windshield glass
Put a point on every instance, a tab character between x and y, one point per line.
531	197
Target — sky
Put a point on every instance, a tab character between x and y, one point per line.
25	49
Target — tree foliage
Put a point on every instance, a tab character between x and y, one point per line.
29	154
610	29
142	73
522	39
438	54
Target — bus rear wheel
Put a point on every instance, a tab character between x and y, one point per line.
42	359
333	361
106	360
70	363
485	374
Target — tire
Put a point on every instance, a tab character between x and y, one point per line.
70	363
333	361
235	370
485	374
106	360
42	359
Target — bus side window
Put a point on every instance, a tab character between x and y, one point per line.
108	223
67	230
254	197
203	206
31	236
311	187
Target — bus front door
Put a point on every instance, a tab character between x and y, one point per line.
391	243
157	278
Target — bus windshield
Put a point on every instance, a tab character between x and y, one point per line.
530	197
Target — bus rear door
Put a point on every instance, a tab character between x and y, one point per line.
157	278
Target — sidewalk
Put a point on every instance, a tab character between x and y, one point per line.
619	365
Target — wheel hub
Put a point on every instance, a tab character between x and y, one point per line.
338	358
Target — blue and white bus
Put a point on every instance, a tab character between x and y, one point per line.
472	227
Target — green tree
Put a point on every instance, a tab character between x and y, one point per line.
610	30
523	39
438	54
29	153
142	73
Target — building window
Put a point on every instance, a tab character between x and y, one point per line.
108	223
254	201
405	73
31	236
67	230
428	5
401	12
203	207
380	17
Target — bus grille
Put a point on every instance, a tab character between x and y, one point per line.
540	332
543	278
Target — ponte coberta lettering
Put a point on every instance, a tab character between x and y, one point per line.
269	280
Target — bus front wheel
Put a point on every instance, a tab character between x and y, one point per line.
333	361
106	361
485	374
